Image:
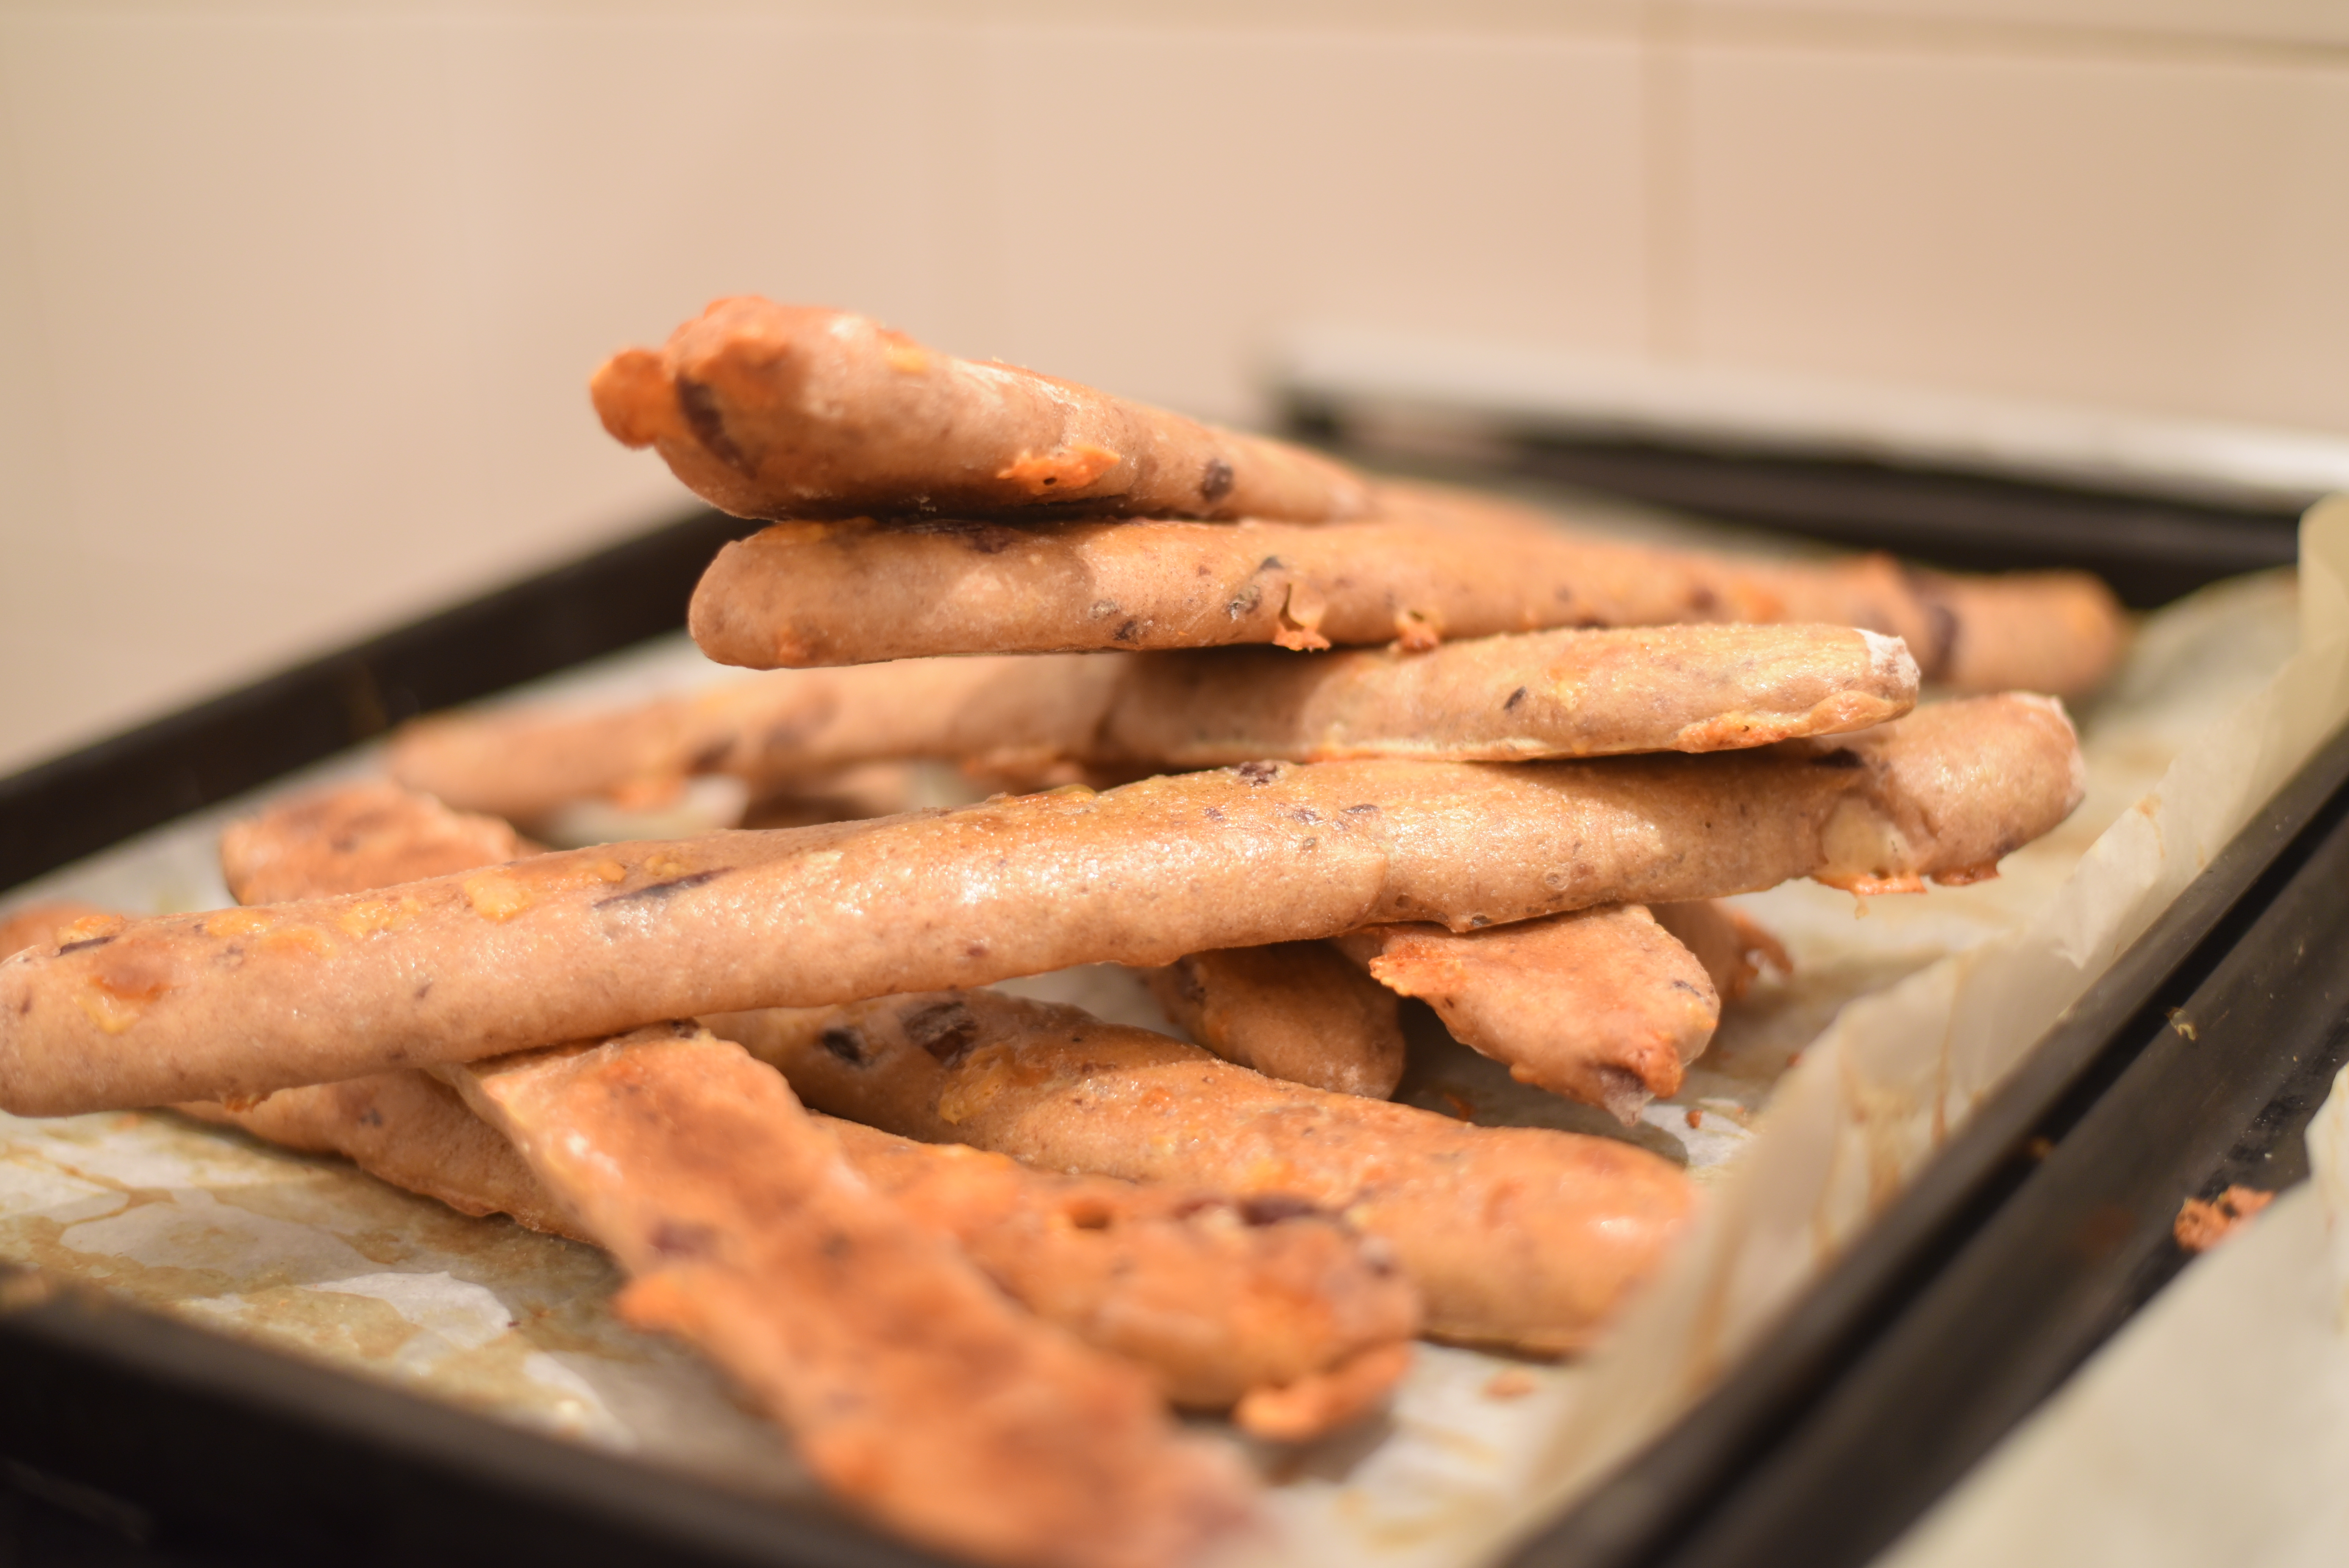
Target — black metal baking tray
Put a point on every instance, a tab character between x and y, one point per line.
2151	548
128	1438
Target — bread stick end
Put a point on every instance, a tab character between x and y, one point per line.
1325	1401
632	396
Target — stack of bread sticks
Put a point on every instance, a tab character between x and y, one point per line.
1292	740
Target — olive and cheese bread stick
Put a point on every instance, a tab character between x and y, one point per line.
1223	1304
769	731
586	944
1600	1005
1732	946
348	838
1295	1010
802	594
1518	1236
915	1389
1276	1313
2060	632
1424	567
1228	1303
409	1130
775	411
1502	698
1511	698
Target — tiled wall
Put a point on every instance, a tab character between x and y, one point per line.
296	301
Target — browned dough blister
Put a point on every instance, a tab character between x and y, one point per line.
586	944
1295	1010
1518	1236
913	1387
1427	566
1600	1004
771	410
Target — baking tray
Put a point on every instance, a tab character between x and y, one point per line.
169	1443
2151	548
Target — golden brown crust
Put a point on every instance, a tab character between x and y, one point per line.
770	410
912	1387
1515	1235
1295	1010
1428	564
41	924
582	945
352	837
1732	946
1222	1301
1600	1005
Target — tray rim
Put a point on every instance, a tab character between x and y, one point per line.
613	598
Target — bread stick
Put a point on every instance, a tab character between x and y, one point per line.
1222	1300
1600	1004
1221	1304
2057	631
1295	1010
1511	698
1518	1236
913	1389
411	1131
349	837
771	410
1426	566
1504	698
1273	1312
1731	944
768	731
802	593
586	944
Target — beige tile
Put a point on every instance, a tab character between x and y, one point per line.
308	295
2168	237
316	304
1176	197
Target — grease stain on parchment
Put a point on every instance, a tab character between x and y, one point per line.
309	1255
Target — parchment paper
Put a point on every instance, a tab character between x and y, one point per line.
310	1257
